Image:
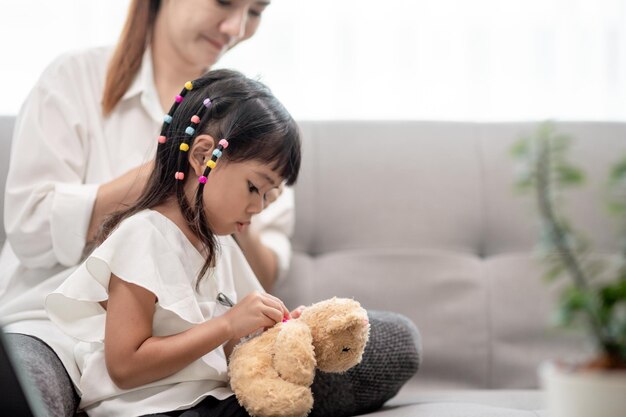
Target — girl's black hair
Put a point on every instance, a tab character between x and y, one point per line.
257	128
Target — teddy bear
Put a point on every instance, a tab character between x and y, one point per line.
271	374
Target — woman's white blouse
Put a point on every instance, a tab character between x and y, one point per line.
150	251
63	149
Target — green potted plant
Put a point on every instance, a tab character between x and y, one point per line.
595	294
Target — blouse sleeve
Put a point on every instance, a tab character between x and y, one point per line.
275	225
47	204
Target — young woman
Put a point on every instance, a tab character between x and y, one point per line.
82	149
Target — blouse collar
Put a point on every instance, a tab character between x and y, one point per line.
144	86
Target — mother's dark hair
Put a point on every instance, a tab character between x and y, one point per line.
254	122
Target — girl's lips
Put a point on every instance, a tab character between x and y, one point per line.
241	226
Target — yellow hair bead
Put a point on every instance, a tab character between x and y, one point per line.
184	147
188	85
210	163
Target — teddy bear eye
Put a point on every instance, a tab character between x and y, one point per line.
346	349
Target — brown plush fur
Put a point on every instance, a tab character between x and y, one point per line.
271	374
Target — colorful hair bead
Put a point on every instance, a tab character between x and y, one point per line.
184	147
210	163
190	130
168	117
207	102
202	179
224	143
188	85
195	119
179	176
217	153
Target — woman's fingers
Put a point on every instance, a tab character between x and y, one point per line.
273	194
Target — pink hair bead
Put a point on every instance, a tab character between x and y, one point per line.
179	98
195	119
224	143
162	139
179	175
202	179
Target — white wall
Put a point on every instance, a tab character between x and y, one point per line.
394	59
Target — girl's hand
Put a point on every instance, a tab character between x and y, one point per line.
254	312
297	312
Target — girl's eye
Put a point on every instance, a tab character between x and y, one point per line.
224	2
252	188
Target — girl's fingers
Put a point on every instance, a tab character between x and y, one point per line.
276	316
277	304
297	312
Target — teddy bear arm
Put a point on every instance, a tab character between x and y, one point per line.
294	356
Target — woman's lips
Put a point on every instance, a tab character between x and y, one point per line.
216	44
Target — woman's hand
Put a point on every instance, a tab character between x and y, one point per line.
273	194
255	312
117	194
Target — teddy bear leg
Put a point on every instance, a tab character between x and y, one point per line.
391	357
277	398
294	356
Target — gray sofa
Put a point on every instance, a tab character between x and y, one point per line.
421	218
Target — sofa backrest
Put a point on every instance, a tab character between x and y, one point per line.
6	132
422	218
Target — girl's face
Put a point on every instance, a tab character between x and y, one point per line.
201	31
235	191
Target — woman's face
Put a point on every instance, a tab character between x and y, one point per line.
199	32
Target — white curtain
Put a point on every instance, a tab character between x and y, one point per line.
395	59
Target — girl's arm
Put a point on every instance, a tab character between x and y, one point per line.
135	357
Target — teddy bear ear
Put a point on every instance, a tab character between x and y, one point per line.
340	323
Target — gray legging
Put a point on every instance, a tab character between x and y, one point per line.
392	356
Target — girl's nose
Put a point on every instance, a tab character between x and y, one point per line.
234	25
257	205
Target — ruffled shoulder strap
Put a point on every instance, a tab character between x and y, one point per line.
147	250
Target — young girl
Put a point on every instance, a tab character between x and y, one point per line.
160	303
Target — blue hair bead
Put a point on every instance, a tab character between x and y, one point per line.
217	153
190	130
167	118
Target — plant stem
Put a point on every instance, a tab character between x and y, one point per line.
558	237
